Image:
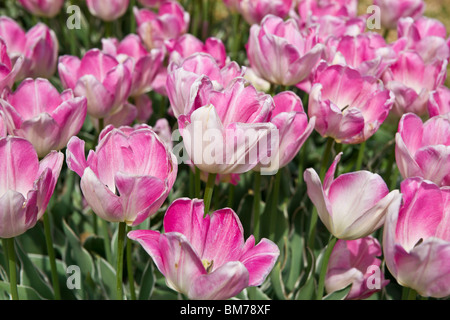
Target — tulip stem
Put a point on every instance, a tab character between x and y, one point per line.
106	240
130	266
359	160
209	191
231	195
12	268
274	205
51	256
236	35
323	269
197	183
119	271
256	203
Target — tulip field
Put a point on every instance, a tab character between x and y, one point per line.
239	150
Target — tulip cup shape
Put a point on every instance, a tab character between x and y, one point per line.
9	70
37	112
355	262
423	149
254	11
228	131
353	205
439	102
280	53
43	8
312	10
26	185
393	10
100	78
416	239
128	176
348	107
206	258
107	10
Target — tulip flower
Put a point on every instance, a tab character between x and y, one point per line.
184	79
8	69
107	10
168	24
227	132
254	11
348	107
411	80
26	185
423	149
279	52
311	9
128	176
145	64
206	258
152	3
37	112
392	10
337	26
355	263
43	8
353	205
416	239
38	46
99	77
439	102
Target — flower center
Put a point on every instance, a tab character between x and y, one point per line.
208	265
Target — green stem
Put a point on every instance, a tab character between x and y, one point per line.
205	19
412	294
236	35
132	18
12	268
274	205
359	160
230	202
106	239
209	191
191	185
109	29
130	266
5	252
325	159
386	33
51	256
119	270
197	183
256	203
323	269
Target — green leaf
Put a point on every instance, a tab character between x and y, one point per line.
338	295
277	283
25	293
308	289
107	278
147	282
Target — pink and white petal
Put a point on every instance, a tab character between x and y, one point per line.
223	283
96	63
434	162
149	240
118	82
17	214
405	160
75	156
68	67
99	99
286	101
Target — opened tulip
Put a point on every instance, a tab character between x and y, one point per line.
416	239
254	11
392	10
107	10
228	131
43	8
206	258
423	149
37	112
39	48
185	77
280	53
311	10
353	205
168	24
26	185
100	78
355	263
348	107
439	102
8	69
128	176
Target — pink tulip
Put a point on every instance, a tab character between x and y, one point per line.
107	10
38	46
152	3
168	24
280	53
145	64
8	69
348	107
99	77
336	26
411	80
128	176
392	10
292	124
423	149
37	112
26	185
353	205
416	239
311	9
254	11
355	263
228	131
206	258
184	79
43	8
439	102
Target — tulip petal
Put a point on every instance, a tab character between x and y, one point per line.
17	214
